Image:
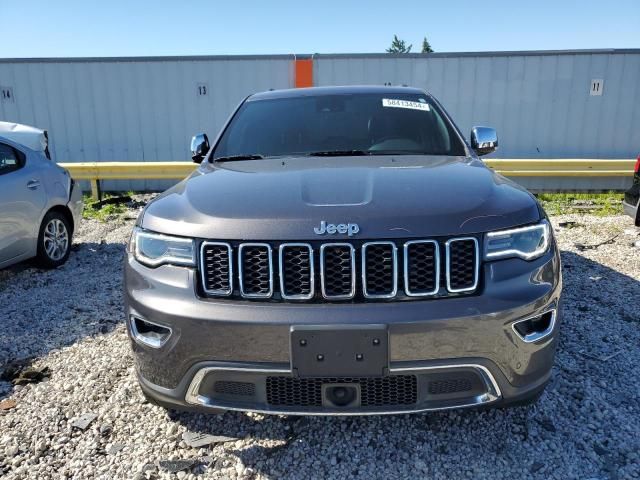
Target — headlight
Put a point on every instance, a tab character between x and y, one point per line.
526	242
154	249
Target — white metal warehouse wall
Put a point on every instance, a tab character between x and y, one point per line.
148	108
137	109
539	102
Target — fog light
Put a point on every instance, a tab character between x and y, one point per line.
535	328
149	333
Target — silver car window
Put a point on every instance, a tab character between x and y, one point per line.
9	159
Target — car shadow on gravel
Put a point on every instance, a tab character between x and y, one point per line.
45	310
586	425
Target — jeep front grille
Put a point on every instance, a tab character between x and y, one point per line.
421	272
462	264
379	270
256	270
217	268
339	271
297	277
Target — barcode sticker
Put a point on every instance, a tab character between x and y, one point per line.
396	103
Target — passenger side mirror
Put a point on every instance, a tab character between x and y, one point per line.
484	140
199	147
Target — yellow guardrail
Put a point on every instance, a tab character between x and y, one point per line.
575	167
96	171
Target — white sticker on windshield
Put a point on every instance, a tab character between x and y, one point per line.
396	103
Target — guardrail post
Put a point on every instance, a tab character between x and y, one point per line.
96	192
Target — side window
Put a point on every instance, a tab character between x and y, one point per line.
10	159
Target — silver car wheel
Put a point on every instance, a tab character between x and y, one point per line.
56	239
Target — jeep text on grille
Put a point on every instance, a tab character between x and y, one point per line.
349	228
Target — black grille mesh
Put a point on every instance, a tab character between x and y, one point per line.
234	388
255	272
379	269
216	271
454	385
374	391
421	267
296	270
338	271
462	264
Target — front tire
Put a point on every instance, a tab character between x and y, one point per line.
54	240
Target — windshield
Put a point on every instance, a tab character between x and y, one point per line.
351	124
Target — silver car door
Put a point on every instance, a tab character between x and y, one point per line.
22	199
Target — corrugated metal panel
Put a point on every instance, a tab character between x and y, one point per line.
147	108
142	110
539	102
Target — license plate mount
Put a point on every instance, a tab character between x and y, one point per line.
340	351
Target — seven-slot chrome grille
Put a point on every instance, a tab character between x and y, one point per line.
337	271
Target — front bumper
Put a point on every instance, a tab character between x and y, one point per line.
631	201
246	346
76	204
632	211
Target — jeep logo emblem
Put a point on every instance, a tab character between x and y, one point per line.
332	229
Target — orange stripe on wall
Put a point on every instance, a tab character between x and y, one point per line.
304	73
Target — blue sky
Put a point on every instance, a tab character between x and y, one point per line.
64	28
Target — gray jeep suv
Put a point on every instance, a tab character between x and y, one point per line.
343	251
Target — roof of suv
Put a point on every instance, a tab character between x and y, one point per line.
346	90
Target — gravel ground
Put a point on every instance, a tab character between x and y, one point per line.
587	424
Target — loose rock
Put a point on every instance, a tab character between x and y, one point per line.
591	401
174	466
8	404
83	421
197	440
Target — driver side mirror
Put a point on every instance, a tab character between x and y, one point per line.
199	147
484	140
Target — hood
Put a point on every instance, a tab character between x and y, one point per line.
30	137
388	197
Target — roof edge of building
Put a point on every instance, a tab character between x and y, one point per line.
291	56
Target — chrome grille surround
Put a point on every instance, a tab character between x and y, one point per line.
344	274
394	259
281	269
203	268
436	256
448	244
241	272
323	279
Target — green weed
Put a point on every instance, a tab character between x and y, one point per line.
600	204
103	213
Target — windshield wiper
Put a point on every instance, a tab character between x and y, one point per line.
399	152
339	153
354	153
232	158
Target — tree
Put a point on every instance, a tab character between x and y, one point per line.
426	46
398	46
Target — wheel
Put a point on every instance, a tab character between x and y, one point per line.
54	240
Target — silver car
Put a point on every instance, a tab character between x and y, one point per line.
40	204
